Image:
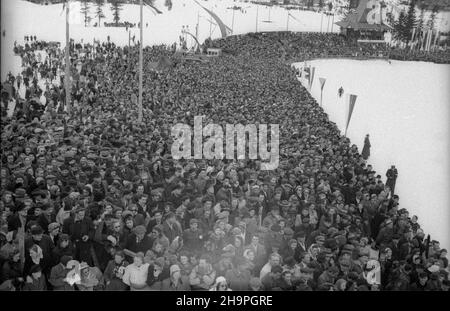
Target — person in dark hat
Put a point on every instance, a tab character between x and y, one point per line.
46	216
63	247
365	153
58	275
81	231
44	242
19	220
36	280
193	237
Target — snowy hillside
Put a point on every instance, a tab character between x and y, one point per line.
408	125
47	22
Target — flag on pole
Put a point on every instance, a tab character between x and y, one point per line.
424	40
430	38
351	105
412	38
322	84
290	15
436	39
146	3
311	76
224	29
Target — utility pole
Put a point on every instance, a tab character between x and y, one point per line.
67	74
140	63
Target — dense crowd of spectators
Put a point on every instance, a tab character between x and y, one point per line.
91	198
295	47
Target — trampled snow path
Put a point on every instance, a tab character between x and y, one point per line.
404	107
20	18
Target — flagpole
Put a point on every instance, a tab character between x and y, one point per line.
210	30
196	28
332	23
257	9
232	22
436	40
321	19
67	74
140	63
287	24
328	21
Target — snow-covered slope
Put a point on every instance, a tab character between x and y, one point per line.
404	107
47	22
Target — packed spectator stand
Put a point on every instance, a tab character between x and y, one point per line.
91	199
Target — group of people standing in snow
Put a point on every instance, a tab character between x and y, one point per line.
91	198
